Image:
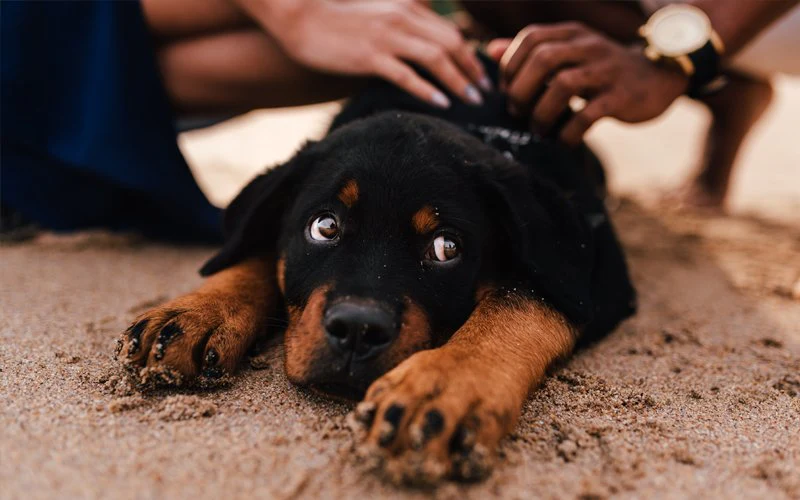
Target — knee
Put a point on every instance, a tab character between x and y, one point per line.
757	94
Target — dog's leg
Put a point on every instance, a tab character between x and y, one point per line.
206	332
444	410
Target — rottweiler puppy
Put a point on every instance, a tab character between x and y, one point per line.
435	262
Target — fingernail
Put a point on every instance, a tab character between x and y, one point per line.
440	100
473	95
485	83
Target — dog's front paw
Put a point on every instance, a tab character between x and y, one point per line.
439	413
199	334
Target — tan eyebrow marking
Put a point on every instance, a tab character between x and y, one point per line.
349	193
281	273
425	220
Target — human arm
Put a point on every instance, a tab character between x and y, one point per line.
377	38
557	62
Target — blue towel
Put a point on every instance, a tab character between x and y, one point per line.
88	136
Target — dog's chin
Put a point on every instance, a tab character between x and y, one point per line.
337	378
340	392
314	365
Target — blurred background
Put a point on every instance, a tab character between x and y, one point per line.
642	161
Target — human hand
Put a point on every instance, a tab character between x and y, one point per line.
378	38
559	61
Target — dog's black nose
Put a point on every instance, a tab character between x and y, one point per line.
361	327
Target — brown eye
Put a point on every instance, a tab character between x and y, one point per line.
443	249
324	228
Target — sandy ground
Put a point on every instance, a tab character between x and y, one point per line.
699	394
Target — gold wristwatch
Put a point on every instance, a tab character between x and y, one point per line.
682	34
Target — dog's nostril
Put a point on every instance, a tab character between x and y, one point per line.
375	335
338	328
359	326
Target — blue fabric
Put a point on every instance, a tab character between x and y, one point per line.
87	132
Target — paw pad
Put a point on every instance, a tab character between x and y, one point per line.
391	420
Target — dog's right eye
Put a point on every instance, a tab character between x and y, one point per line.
324	228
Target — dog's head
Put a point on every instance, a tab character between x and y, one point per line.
385	234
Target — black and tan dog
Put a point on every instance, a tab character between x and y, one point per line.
438	260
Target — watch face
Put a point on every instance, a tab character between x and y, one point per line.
678	31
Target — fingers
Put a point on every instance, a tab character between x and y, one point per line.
545	66
437	37
578	81
446	33
576	127
527	40
402	75
466	58
539	66
497	47
440	64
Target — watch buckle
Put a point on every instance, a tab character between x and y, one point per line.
652	53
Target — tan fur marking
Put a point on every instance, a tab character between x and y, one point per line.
424	220
224	315
305	336
280	273
349	193
414	336
495	358
523	335
482	291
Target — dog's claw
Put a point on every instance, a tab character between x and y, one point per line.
134	336
365	412
212	358
167	335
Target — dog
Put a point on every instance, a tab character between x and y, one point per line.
435	262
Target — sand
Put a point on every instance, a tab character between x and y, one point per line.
699	394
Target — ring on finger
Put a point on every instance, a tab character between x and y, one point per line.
577	103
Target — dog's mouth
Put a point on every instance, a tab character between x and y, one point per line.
349	380
340	391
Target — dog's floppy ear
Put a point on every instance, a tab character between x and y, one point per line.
253	219
550	241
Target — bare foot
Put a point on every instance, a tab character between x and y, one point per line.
734	111
694	197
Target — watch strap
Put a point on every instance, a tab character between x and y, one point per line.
706	63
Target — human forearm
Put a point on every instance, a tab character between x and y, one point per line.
378	38
278	17
737	24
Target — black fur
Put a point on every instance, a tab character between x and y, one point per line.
525	208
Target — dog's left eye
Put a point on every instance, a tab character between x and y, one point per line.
443	249
324	228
